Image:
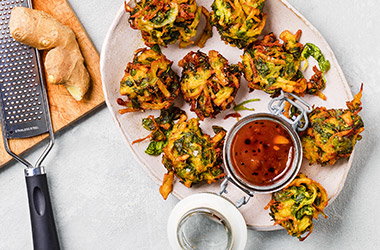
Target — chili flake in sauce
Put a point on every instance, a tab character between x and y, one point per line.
262	152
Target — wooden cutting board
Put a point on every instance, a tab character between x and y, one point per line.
63	108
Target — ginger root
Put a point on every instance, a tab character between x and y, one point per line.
64	63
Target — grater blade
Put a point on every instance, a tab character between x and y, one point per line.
23	100
24	105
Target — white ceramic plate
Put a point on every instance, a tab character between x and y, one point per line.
118	49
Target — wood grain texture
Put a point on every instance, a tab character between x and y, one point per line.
63	108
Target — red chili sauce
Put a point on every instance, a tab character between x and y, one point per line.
262	152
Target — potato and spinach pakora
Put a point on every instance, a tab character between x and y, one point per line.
164	22
295	206
271	66
160	128
208	83
192	156
149	82
238	22
333	133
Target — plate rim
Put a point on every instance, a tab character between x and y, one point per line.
333	58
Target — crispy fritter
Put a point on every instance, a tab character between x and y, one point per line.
272	66
295	206
160	128
238	22
208	83
333	133
194	157
149	82
164	22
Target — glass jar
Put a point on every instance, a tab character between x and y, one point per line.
212	221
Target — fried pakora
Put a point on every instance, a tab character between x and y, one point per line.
160	127
149	82
333	133
238	22
193	156
166	22
208	83
271	66
295	206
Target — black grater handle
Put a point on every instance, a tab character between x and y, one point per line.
41	214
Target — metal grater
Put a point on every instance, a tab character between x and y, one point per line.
25	113
24	106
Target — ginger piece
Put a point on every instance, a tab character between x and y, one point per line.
64	63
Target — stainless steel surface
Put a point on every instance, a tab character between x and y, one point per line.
24	105
299	122
250	189
242	201
34	171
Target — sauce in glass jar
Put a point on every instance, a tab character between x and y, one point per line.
262	152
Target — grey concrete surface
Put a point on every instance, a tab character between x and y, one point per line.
103	200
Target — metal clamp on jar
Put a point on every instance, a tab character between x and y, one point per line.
211	221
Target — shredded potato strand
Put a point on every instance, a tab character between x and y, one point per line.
295	206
